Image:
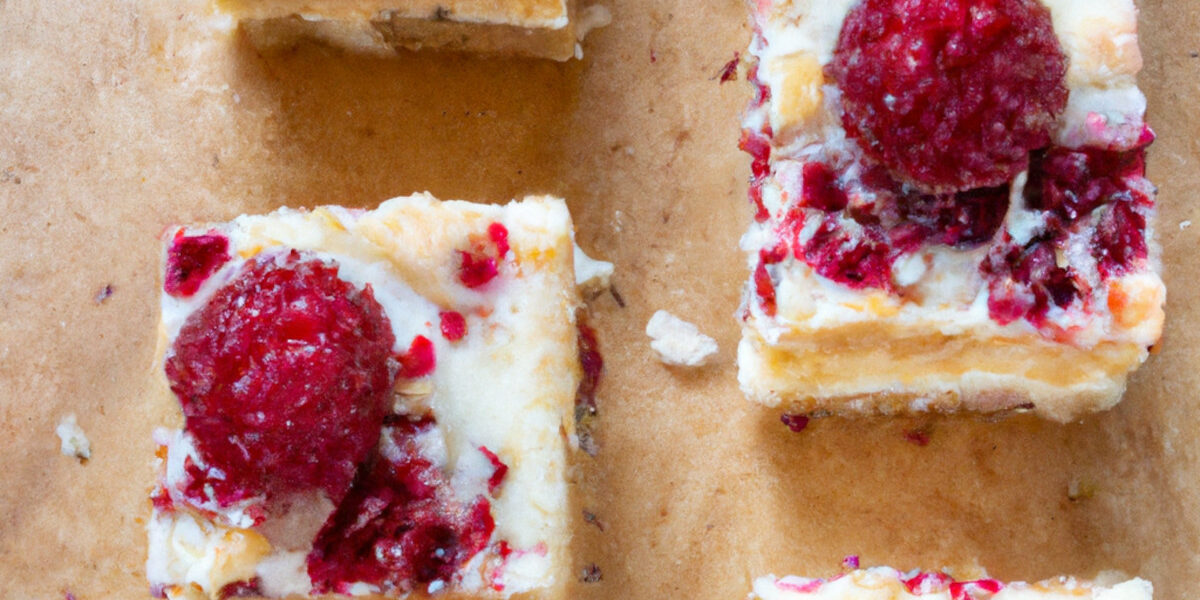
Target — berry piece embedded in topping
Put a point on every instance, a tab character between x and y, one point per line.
419	360
1120	240
1070	184
284	378
453	325
855	256
400	526
482	263
191	260
821	190
950	95
1027	282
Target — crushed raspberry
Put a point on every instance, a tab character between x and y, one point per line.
1026	282
1070	184
764	288
499	470
927	583
758	146
966	590
592	363
241	589
419	360
286	363
821	190
453	325
1120	240
482	263
950	94
729	71
499	236
857	262
476	271
850	562
919	436
191	260
400	525
796	423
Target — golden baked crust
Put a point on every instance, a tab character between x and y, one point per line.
536	28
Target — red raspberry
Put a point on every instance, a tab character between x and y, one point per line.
950	95
284	378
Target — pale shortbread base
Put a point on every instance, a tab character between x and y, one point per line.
534	28
885	583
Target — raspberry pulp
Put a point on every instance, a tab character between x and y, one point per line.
400	526
284	378
950	95
191	260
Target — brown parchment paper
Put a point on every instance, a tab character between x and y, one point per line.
119	118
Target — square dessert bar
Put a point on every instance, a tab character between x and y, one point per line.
951	207
885	583
374	401
538	28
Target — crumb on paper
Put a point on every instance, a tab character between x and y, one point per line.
796	423
105	293
591	518
729	72
919	436
591	274
678	342
591	574
1184	225
74	441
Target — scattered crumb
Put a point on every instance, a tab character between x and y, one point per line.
74	440
1184	225
591	518
850	562
612	289
591	574
729	72
104	294
678	342
591	274
919	435
796	423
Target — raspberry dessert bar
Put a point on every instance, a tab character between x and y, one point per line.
951	207
884	583
539	28
374	402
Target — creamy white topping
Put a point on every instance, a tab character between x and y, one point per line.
507	385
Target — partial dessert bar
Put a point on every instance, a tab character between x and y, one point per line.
374	401
951	207
538	28
885	583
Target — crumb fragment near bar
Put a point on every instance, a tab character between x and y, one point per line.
678	342
72	439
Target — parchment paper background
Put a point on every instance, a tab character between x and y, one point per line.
119	118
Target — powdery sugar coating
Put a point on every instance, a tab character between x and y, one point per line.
950	94
285	364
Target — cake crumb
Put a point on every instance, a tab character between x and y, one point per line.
591	274
1184	225
678	342
74	441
